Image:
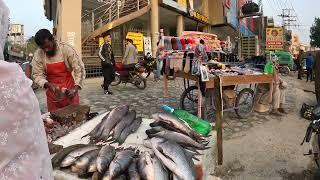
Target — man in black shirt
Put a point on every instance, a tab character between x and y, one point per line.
107	63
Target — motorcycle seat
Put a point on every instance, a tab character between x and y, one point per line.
129	67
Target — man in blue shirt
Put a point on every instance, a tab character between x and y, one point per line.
309	66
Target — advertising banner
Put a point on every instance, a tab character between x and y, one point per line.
274	38
137	39
147	45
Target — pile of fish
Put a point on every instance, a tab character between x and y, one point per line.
175	145
171	148
116	126
98	162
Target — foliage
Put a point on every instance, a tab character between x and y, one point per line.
315	33
31	45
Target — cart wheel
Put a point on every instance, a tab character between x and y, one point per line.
189	100
245	103
284	71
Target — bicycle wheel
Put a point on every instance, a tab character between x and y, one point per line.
245	103
189	100
284	71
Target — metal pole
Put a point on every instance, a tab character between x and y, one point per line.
118	9
110	15
92	21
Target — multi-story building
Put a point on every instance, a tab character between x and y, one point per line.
16	34
295	45
81	22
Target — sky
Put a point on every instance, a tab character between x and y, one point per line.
31	14
306	11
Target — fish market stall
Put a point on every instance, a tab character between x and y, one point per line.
135	140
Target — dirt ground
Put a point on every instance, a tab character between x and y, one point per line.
271	150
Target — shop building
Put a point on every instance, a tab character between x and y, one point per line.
16	34
81	22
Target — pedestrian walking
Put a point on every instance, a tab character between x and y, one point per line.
57	67
107	63
277	93
298	63
309	67
130	56
157	74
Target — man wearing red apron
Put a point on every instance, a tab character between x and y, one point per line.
57	67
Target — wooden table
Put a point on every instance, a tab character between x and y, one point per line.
214	86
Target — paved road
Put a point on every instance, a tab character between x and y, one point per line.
145	102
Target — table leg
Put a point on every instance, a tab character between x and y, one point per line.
219	118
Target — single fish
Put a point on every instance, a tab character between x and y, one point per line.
173	157
83	161
97	128
133	173
175	136
58	158
120	163
125	122
114	117
72	156
129	130
170	122
105	157
145	166
160	172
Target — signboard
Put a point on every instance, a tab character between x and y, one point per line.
200	17
137	39
71	38
183	3
175	5
147	45
274	39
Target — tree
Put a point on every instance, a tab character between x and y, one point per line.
315	33
31	45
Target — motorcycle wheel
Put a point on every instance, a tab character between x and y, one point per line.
139	82
116	80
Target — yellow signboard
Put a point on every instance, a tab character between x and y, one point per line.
183	3
200	17
137	39
101	41
274	38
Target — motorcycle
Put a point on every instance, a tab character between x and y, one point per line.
149	63
129	74
313	131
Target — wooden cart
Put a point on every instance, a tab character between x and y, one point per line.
214	98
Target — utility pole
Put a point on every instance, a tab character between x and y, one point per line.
288	19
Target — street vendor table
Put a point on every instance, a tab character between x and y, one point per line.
134	140
214	87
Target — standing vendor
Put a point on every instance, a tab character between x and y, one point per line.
57	68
